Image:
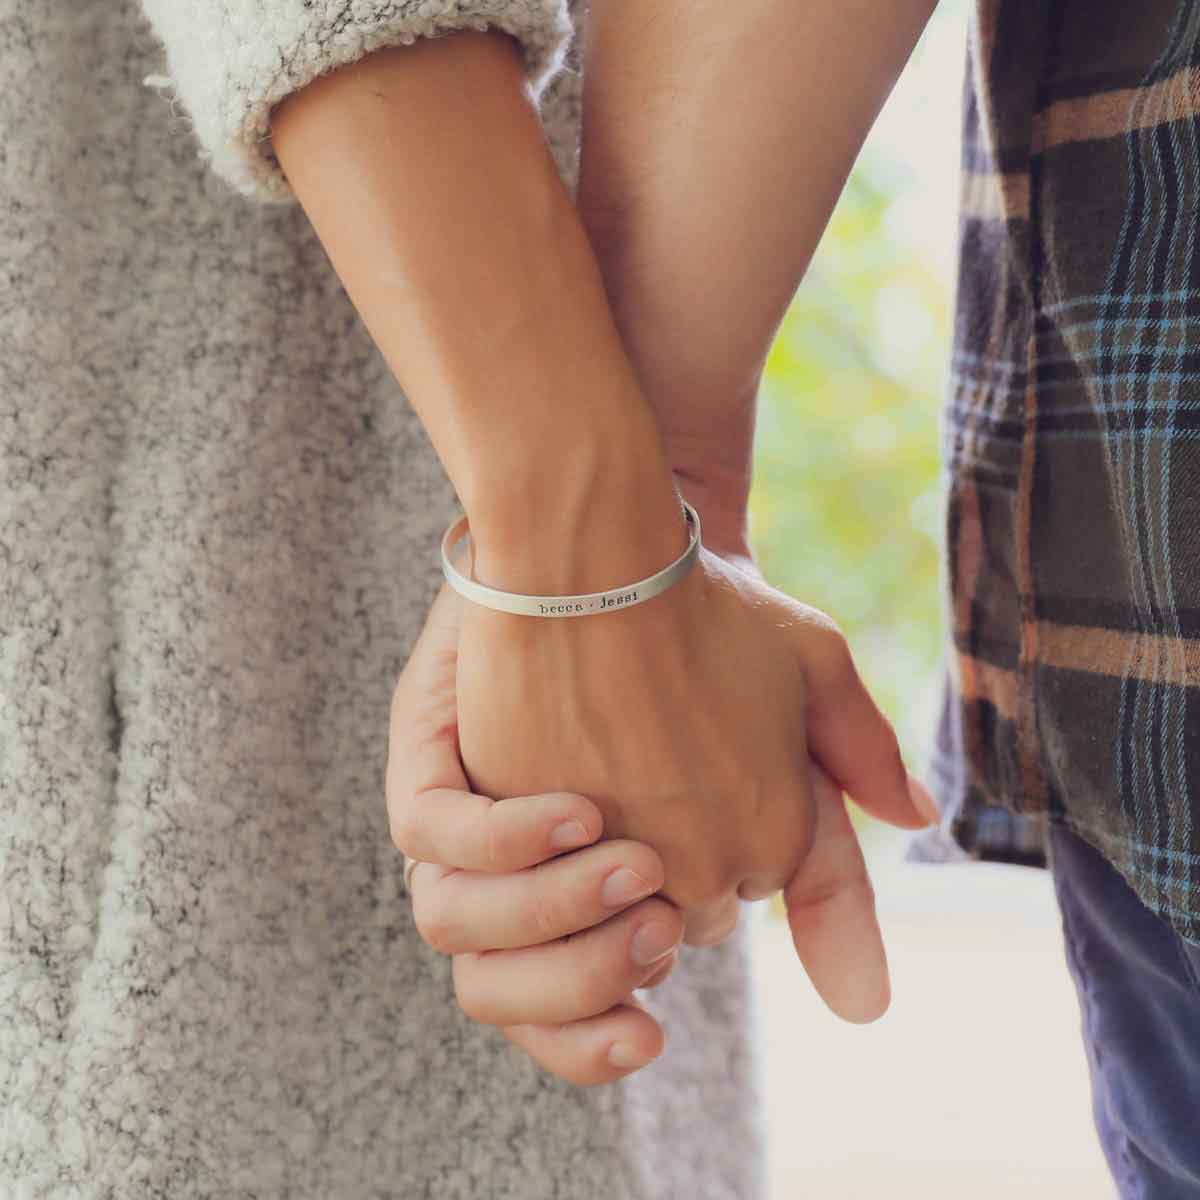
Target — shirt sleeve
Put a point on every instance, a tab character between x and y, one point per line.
231	61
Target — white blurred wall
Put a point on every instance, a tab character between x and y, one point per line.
972	1087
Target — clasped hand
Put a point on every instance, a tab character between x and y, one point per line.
584	795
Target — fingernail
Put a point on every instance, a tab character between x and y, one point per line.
659	970
623	887
569	834
624	1057
652	942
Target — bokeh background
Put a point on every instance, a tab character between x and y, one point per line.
975	1083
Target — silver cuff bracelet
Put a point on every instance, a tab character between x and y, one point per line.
570	606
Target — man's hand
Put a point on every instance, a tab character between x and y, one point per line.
549	942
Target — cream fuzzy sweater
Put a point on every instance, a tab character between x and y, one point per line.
218	532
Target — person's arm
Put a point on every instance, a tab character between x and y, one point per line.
713	152
426	175
684	719
425	171
428	180
231	62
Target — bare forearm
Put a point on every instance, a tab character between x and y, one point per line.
714	149
426	174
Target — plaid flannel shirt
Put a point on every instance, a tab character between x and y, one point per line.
1072	444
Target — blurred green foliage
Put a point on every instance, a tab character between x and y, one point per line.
846	511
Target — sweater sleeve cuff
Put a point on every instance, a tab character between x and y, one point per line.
232	61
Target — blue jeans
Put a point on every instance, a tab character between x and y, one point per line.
1139	993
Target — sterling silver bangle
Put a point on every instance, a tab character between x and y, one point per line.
570	606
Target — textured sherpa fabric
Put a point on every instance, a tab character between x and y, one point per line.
219	521
230	62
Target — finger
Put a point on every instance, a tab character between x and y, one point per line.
572	978
831	911
662	973
433	814
851	738
711	924
458	828
757	887
595	1050
462	912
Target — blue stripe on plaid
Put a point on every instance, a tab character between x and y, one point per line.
1138	256
1119	300
1137	324
1175	696
964	401
1159	851
1050	385
1124	435
1118	850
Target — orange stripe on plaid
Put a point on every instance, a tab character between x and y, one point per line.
1153	657
1112	114
979	680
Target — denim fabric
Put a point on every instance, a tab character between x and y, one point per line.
1139	994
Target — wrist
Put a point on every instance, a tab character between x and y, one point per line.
722	505
594	511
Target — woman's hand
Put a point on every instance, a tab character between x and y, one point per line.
689	721
550	930
499	888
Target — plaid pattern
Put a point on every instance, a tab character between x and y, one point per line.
1072	443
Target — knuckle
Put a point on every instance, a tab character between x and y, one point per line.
404	827
544	914
642	859
857	887
823	892
661	912
433	924
597	985
501	841
469	996
827	626
779	847
711	927
841	657
661	975
701	887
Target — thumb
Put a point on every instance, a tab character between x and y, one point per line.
434	815
423	726
831	912
853	741
432	662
